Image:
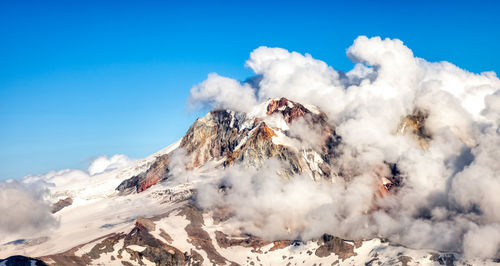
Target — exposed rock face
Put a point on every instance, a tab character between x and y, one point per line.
292	111
232	137
107	245
225	241
259	146
199	237
69	258
157	172
61	204
214	136
155	250
280	244
289	110
415	124
331	244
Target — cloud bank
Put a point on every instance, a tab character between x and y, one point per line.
23	208
26	204
449	194
104	163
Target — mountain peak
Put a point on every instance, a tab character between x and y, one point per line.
288	109
225	137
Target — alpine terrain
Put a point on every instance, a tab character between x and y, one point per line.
392	163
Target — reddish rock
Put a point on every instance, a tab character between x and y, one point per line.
157	172
265	132
290	110
280	244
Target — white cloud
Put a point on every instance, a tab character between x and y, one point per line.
104	163
26	204
23	209
483	242
449	199
222	92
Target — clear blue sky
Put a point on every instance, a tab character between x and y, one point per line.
80	79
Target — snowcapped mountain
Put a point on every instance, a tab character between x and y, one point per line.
392	163
148	213
225	137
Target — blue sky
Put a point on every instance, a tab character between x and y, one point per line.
79	79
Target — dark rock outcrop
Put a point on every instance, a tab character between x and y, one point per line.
330	244
248	241
21	261
155	250
62	203
199	237
105	246
443	259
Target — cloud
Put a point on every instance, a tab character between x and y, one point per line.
450	181
24	209
448	168
475	239
26	204
75	178
104	163
221	92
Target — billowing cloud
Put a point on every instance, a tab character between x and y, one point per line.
104	163
450	181
222	92
24	209
26	204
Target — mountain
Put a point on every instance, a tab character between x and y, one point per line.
151	211
227	137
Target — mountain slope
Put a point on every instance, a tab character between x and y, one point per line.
148	213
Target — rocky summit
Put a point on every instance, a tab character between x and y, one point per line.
229	137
